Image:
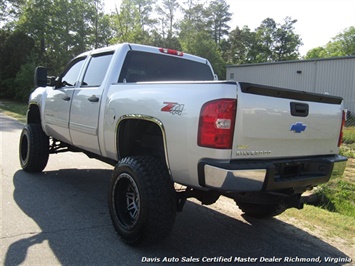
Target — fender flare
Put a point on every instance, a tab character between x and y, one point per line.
147	118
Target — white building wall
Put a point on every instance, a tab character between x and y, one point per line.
335	76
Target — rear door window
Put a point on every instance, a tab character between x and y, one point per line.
142	66
96	70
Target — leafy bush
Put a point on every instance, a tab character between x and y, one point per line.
14	56
23	83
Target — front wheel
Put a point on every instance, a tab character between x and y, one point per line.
142	200
34	148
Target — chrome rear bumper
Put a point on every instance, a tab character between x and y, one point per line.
269	175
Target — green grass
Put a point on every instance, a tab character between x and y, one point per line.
14	109
348	147
349	135
347	150
338	195
330	223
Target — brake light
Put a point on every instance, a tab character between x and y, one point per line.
216	125
171	52
343	119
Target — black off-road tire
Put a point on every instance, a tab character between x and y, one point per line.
142	200
262	210
34	148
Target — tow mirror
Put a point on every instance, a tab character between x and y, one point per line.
58	81
40	77
51	81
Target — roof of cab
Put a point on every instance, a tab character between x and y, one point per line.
143	48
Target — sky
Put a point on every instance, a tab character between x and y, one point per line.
317	20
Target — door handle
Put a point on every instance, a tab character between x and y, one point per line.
66	98
299	109
93	99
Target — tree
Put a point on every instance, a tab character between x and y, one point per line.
204	46
84	16
219	17
347	41
240	47
126	23
269	42
61	29
167	10
195	21
103	32
4	35
265	34
342	44
145	9
15	52
132	22
318	52
3	5
35	19
277	42
23	82
287	42
9	12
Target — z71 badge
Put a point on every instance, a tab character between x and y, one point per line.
173	108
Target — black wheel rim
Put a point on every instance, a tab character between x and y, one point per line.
127	201
24	149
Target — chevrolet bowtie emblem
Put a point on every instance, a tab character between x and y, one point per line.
298	127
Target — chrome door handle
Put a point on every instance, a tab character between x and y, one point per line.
66	98
93	99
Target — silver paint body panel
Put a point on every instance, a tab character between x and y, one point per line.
262	128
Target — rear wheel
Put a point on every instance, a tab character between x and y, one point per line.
142	200
262	210
34	148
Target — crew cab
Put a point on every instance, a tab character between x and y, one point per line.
161	117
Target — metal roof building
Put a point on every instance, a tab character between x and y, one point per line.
335	76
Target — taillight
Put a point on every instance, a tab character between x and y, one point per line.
170	51
216	125
341	128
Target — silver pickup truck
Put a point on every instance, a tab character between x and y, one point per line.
161	118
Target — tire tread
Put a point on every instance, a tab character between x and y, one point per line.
38	144
158	193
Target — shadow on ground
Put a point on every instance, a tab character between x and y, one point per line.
70	207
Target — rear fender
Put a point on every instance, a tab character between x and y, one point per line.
141	135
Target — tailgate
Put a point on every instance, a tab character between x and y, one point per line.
274	122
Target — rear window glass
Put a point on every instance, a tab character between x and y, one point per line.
142	66
96	70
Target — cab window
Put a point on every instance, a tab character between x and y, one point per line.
71	74
96	70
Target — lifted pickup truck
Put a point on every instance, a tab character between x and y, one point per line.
161	117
